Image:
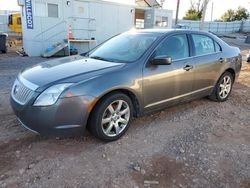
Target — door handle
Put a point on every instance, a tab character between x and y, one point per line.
188	67
221	60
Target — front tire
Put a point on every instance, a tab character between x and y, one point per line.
223	88
111	117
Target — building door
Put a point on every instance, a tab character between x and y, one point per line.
80	20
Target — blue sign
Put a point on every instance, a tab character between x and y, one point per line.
29	14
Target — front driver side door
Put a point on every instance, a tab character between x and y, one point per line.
164	85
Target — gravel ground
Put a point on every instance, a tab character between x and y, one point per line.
196	144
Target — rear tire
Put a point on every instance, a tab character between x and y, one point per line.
223	88
111	117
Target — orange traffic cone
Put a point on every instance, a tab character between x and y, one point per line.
70	36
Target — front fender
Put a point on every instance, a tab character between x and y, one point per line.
129	80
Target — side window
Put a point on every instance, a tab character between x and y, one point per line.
175	47
203	44
10	20
53	10
217	47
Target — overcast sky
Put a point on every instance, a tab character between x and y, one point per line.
220	6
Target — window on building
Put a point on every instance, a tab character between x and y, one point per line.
139	23
161	21
10	20
203	44
53	10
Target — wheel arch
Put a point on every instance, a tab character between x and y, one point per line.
232	71
133	97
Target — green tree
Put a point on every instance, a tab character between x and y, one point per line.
235	15
228	16
192	14
195	11
241	14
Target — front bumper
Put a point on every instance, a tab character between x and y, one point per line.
67	117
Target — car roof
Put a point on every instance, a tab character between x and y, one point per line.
165	31
176	31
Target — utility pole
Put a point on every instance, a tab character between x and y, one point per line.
177	12
212	11
203	14
162	3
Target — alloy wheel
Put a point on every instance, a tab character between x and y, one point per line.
225	87
115	118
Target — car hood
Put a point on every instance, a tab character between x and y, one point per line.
74	69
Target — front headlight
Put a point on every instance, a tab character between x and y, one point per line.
50	95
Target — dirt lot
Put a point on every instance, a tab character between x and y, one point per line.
197	144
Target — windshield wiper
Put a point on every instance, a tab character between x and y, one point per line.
101	58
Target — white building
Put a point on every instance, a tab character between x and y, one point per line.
46	23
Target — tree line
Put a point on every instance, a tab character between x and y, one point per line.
197	7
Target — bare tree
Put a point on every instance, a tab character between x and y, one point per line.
198	5
196	9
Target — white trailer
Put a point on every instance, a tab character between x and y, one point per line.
47	22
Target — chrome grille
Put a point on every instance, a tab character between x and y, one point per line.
20	93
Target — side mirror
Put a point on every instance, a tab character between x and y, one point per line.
161	60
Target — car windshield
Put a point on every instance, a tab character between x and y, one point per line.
126	47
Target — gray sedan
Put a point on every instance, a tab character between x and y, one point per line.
131	74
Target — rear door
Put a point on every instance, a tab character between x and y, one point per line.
208	61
